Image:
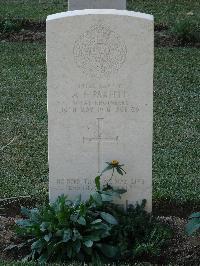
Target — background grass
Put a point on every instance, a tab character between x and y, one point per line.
177	124
35	264
165	11
176	166
35	10
24	119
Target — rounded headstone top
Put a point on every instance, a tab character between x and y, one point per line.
100	12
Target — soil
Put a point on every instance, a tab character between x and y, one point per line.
182	249
36	31
23	36
182	210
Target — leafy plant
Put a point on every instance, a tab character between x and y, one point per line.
67	230
193	224
187	30
137	232
96	230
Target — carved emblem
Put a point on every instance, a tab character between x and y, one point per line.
99	51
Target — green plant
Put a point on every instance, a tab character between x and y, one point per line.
138	233
193	224
67	230
96	230
187	30
153	242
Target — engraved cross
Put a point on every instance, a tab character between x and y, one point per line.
99	140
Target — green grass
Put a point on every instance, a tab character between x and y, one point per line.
36	10
165	11
35	264
24	167
69	264
177	124
14	263
23	119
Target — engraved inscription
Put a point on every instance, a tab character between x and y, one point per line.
99	140
86	184
99	51
98	98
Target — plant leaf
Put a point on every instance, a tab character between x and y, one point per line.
23	223
67	235
108	218
97	198
37	245
88	243
94	236
119	171
10	247
195	215
192	226
108	250
106	197
97	182
81	220
43	226
77	201
96	221
48	237
76	235
26	212
43	258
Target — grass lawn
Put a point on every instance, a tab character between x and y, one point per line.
24	168
177	124
165	11
36	10
23	119
69	264
35	264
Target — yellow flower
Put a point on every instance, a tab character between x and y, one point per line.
115	162
114	165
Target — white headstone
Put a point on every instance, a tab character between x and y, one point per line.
100	100
96	4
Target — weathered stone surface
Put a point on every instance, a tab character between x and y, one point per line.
96	4
100	100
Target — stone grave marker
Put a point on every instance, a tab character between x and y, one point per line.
100	101
96	4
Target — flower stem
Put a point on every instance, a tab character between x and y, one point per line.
111	175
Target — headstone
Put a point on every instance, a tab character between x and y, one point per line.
96	4
100	101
